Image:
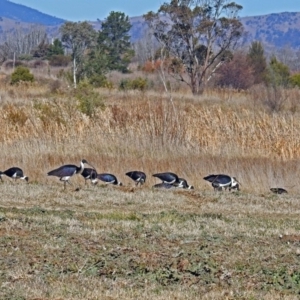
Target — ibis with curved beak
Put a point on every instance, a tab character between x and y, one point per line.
65	172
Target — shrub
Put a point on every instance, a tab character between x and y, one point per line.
295	80
21	74
236	73
88	99
124	84
138	83
99	80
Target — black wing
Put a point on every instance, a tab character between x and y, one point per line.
137	176
14	170
66	170
167	177
89	173
108	178
218	179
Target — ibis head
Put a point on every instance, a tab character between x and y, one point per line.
138	176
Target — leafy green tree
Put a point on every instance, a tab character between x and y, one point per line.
56	48
278	73
114	41
77	37
258	62
96	66
196	34
46	50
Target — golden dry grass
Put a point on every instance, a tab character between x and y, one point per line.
196	136
109	243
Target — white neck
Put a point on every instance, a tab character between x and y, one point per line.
81	167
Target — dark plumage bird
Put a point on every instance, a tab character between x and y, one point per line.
221	181
183	184
168	177
109	178
278	190
138	176
163	185
67	171
14	173
90	174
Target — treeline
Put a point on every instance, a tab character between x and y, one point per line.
196	44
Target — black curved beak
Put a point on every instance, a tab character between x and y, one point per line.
92	166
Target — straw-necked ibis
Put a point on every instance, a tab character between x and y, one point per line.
220	181
138	176
14	173
168	177
65	172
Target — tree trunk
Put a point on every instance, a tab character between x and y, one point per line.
74	73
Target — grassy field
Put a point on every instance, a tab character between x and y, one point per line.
101	242
133	243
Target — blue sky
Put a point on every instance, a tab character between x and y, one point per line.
91	10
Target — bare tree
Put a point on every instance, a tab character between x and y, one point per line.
196	33
289	57
146	47
77	37
5	52
21	41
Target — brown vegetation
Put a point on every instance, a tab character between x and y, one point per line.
106	243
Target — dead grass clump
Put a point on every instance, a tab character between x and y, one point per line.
15	115
50	113
54	86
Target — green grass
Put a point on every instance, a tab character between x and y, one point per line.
106	243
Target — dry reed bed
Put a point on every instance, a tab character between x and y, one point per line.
148	131
214	129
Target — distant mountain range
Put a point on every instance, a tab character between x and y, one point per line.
274	30
21	13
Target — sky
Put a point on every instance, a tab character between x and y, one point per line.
91	10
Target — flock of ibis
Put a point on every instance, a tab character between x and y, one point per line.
169	180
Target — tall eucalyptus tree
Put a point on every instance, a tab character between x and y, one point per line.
196	34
